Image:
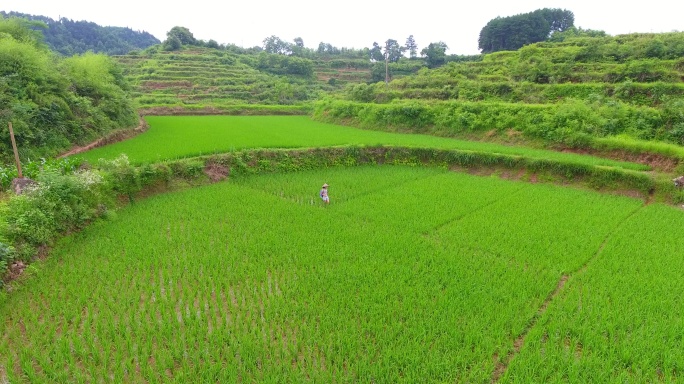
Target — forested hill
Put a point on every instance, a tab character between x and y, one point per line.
70	37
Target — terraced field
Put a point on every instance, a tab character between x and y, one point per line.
411	274
207	78
169	137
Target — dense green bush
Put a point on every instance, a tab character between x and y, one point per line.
51	102
573	122
57	203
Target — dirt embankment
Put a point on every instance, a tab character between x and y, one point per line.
658	162
113	137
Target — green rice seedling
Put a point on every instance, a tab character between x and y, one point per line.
173	137
620	318
410	274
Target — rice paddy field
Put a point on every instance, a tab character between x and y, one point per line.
411	274
173	137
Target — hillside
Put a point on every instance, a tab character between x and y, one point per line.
70	37
208	80
55	102
568	92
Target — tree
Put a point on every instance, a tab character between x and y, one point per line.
172	43
53	102
435	54
273	44
411	47
513	32
74	37
321	48
393	51
23	30
183	35
376	53
299	42
298	47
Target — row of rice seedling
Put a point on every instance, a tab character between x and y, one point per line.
411	274
171	137
621	318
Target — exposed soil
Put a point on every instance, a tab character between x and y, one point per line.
113	137
152	85
658	162
216	172
15	270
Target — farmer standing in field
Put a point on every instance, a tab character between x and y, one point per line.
324	194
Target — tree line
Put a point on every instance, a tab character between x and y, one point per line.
502	33
70	37
513	32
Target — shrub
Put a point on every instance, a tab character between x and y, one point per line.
56	204
121	175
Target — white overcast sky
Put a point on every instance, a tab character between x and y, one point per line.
350	23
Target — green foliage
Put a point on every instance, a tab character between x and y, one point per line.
31	169
220	81
411	47
70	37
55	102
121	175
392	51
22	30
98	81
275	45
570	91
284	65
513	32
172	43
58	203
435	54
182	34
573	122
6	257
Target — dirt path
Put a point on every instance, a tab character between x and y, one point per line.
113	137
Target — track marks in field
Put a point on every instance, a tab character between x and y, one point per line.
502	364
607	239
472	211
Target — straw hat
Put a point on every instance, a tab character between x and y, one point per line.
325	185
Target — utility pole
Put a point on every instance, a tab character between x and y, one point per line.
386	68
16	152
387	53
